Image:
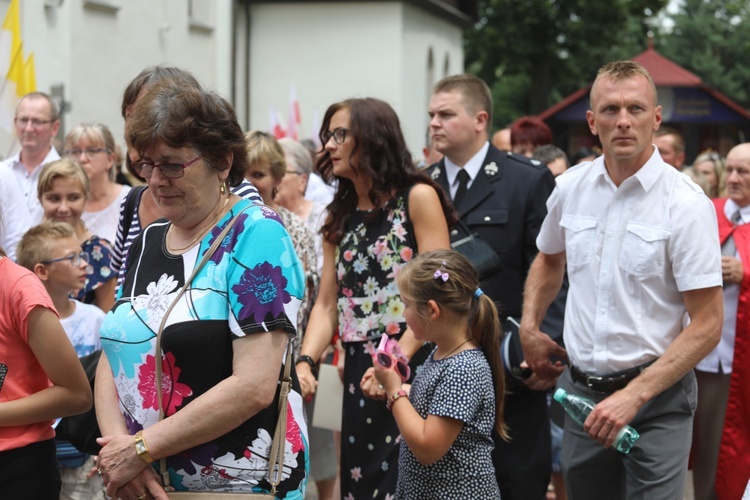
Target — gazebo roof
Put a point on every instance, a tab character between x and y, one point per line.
666	74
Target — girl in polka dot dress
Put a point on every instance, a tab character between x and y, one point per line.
447	416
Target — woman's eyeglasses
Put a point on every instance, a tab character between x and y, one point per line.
89	152
339	135
168	170
389	355
74	259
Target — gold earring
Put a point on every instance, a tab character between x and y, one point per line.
223	187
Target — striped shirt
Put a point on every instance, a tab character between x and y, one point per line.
123	241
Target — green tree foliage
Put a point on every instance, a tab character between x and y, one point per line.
711	38
532	53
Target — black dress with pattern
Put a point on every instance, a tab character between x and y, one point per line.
368	260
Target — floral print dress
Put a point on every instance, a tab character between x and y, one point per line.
99	270
368	260
253	283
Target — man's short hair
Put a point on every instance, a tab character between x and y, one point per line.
39	243
678	142
622	70
476	94
548	153
53	110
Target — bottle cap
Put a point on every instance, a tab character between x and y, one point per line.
559	395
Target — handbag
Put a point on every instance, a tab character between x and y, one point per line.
82	430
484	259
277	446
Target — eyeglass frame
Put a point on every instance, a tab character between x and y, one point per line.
89	152
339	132
80	256
139	164
35	123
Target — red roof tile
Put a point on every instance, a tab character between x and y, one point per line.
666	73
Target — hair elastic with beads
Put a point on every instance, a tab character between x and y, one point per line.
478	293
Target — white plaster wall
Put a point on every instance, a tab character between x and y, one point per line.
336	50
95	53
331	51
422	33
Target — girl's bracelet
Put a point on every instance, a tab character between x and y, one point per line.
400	394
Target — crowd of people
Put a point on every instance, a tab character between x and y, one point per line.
216	285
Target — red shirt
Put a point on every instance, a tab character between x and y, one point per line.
20	292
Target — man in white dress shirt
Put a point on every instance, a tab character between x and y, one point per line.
36	125
640	244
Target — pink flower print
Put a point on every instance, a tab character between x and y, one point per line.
356	473
349	497
348	256
173	392
400	232
406	254
351	388
293	433
392	328
346	292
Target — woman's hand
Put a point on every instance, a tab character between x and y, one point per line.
375	388
118	462
307	381
144	486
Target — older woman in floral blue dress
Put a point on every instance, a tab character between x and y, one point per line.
224	342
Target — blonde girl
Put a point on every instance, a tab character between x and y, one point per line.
456	400
63	190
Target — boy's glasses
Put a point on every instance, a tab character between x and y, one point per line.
168	170
74	259
389	355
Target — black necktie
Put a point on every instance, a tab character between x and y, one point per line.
463	183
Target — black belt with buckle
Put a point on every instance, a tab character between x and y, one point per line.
607	383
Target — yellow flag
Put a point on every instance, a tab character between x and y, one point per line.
12	24
29	76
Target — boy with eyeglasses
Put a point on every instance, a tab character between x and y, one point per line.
52	252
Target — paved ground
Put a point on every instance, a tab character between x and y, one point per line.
312	493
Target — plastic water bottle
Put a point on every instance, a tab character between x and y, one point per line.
579	408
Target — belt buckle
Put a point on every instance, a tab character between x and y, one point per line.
593	379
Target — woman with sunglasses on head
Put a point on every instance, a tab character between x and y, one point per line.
93	147
63	190
383	213
710	166
456	399
218	339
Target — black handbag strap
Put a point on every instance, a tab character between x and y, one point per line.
131	204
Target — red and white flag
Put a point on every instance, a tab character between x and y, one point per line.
274	124
294	115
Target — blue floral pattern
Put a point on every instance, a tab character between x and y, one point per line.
99	270
252	284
